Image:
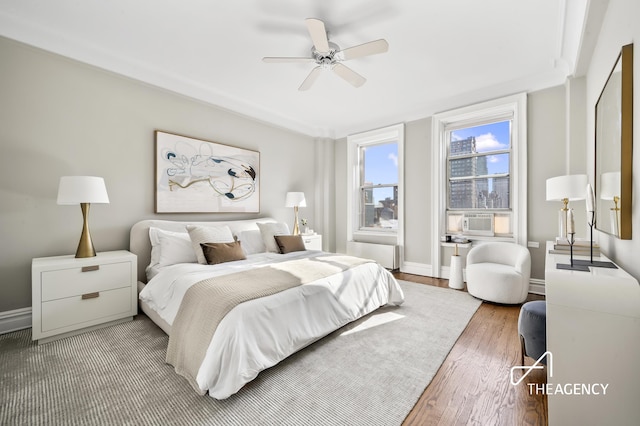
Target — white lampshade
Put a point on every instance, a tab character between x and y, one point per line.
571	187
82	189
610	183
295	199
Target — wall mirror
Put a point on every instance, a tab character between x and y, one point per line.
614	148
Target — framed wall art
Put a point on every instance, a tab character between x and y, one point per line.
198	176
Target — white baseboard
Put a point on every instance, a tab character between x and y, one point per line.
416	268
15	320
536	286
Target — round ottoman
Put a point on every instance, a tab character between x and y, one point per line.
532	328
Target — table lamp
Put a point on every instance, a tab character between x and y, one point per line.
566	188
83	190
295	200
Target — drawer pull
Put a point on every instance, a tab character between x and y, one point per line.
90	295
90	268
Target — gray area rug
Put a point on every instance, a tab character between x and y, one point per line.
370	372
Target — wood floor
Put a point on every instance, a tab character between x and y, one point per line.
472	387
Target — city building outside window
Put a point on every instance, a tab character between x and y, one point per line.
479	176
379	186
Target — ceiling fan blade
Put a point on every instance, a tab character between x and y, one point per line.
311	78
366	49
276	59
349	75
318	34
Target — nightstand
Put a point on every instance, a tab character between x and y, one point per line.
73	295
312	242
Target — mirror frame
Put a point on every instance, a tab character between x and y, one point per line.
626	144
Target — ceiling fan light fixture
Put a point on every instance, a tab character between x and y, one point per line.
328	55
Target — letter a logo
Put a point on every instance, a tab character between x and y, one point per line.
536	365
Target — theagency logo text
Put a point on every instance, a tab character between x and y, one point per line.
551	388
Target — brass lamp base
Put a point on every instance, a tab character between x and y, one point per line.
85	246
296	228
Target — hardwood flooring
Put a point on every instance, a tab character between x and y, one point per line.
472	386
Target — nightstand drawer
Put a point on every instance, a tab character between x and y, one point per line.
312	242
75	311
63	283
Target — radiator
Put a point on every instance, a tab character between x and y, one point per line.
385	254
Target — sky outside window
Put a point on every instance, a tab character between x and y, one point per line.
381	167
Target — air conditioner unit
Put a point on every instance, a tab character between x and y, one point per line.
478	224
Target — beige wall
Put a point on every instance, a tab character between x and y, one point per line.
547	155
59	117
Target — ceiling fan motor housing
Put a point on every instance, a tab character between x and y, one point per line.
326	59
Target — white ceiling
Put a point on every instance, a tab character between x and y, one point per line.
442	54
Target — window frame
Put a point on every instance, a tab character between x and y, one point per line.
513	107
394	133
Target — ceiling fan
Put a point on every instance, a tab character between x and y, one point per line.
328	55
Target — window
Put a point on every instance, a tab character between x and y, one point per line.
379	186
479	173
479	178
375	157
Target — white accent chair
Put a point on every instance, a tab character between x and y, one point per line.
499	272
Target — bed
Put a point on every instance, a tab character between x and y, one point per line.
303	295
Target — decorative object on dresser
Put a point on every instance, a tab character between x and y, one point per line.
571	234
71	295
83	190
591	217
565	188
295	200
198	176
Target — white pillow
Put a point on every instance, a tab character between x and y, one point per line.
252	242
169	248
208	234
269	230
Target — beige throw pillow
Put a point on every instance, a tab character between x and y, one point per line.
208	234
269	230
290	243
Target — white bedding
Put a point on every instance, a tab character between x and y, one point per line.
259	333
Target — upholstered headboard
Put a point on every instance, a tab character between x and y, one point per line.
140	245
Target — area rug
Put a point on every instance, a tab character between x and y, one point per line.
370	372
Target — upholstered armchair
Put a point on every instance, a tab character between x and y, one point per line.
499	272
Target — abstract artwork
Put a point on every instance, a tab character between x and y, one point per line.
198	176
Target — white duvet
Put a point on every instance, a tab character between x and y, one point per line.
258	334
